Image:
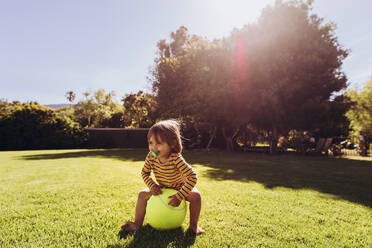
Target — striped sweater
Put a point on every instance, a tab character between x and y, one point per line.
175	173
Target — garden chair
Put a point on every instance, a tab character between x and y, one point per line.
327	144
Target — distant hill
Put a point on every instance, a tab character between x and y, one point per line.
57	106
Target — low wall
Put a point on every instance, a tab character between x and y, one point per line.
118	137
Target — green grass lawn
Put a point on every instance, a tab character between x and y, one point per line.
80	198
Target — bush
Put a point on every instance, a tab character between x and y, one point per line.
32	126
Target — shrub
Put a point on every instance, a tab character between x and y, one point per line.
32	126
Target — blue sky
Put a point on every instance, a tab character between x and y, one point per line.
50	47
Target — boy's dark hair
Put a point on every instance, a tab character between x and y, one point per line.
168	131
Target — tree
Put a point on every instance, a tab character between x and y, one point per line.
70	95
168	80
84	112
360	114
271	75
191	78
293	66
140	110
31	126
96	110
331	120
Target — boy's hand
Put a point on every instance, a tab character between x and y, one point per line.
174	202
156	190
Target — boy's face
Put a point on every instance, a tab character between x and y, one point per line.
161	147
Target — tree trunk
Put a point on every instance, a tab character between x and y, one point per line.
363	147
235	137
212	137
228	140
274	141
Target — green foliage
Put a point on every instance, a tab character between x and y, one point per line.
331	120
293	67
191	77
32	126
96	110
360	114
65	112
7	108
140	110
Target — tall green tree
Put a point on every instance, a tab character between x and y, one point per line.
140	110
360	114
191	77
293	66
168	75
97	109
70	95
272	74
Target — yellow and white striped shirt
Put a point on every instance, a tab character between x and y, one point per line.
175	173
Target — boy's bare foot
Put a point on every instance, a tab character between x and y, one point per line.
197	229
129	226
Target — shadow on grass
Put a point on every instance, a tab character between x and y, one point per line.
341	177
121	154
149	237
344	178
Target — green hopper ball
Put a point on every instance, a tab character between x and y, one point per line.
162	216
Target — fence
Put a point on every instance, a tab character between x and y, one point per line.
117	137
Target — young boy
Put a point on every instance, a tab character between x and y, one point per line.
171	171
